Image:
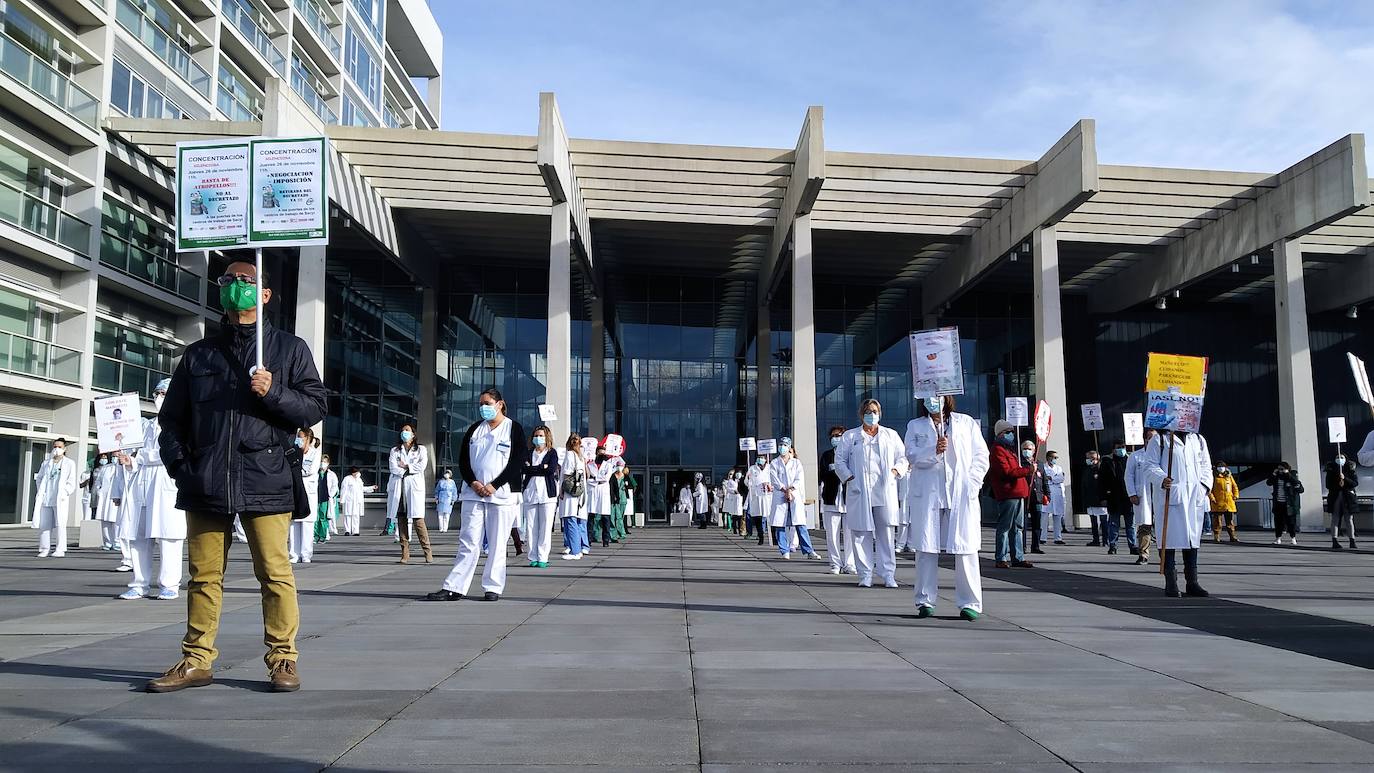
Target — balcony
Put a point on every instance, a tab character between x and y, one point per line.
42	219
47	83
156	40
233	99
317	22
147	266
300	82
244	19
111	375
40	359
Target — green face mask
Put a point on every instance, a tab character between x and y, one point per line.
238	296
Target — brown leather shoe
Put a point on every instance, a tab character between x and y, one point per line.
179	677
1002	565
284	676
1022	565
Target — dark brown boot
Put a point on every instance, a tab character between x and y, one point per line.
284	677
422	534
179	677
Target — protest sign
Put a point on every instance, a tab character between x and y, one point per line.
1044	421
212	194
747	444
1173	411
1092	417
768	446
118	423
615	445
936	364
1134	424
547	412
1361	373
1187	375
1018	411
1335	428
588	448
289	197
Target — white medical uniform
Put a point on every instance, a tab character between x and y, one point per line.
301	545
149	515
734	503
945	511
1138	485
760	499
54	485
407	467
351	492
539	504
107	487
867	463
1055	525
841	555
1187	497
489	453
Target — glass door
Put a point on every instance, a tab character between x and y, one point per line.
12	485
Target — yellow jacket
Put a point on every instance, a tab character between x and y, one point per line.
1224	493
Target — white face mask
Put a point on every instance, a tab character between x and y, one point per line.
157	401
448	476
324	465
1340	461
58	452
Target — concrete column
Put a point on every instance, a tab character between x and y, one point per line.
763	360
434	100
804	430
1051	382
558	382
310	316
429	364
596	386
1297	406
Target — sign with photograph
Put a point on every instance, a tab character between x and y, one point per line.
1173	411
118	423
1134	424
1335	428
1044	421
1018	411
936	364
289	193
212	194
1092	417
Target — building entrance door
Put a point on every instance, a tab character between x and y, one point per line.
13	464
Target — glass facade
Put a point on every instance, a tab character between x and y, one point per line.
129	360
361	65
130	95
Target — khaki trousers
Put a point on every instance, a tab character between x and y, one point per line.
208	537
421	531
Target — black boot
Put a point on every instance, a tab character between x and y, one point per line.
1191	586
1336	544
1170	575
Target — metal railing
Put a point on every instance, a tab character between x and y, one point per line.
229	103
127	257
300	81
40	359
21	208
312	15
45	81
111	375
373	24
156	39
244	17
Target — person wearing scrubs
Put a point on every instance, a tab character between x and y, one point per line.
408	461
491	460
445	494
701	512
949	460
832	511
734	503
107	489
787	481
302	538
540	475
327	483
871	459
351	492
760	497
599	504
56	482
153	517
572	499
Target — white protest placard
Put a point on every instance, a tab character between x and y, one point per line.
1134	424
1092	417
1044	421
1173	411
615	445
747	444
1335	428
118	422
1018	411
936	364
1361	373
547	412
212	194
289	193
589	445
768	446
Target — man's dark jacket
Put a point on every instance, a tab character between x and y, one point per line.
226	448
1113	485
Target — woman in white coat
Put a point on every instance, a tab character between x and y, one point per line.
301	546
1055	525
152	515
491	463
407	462
351	491
759	497
871	459
700	502
949	459
599	506
1185	488
733	505
54	485
1143	495
541	474
787	481
107	487
572	499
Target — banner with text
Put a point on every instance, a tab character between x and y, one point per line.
118	423
290	201
212	194
936	365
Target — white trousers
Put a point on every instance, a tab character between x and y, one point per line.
875	551
903	535
126	552
479	520
539	522
302	541
1055	527
443	519
168	566
352	523
46	543
841	556
968	582
108	532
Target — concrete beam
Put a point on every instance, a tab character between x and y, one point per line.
1065	177
1322	188
555	166
1341	286
808	175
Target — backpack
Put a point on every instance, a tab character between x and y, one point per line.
574	483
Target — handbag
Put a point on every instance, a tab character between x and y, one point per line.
301	500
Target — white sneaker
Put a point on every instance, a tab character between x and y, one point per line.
866	583
59	555
1292	540
567	551
834	570
586	551
131	594
814	556
571	557
295	560
124	568
890	583
43	554
1278	541
305	560
787	556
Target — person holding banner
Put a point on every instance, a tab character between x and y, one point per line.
760	497
107	489
1037	501
53	487
871	459
1139	489
1175	462
152	495
949	460
832	496
1009	475
787	481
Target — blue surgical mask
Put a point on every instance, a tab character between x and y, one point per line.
870	418
1009	438
300	442
1119	451
104	462
486	411
784	450
761	461
407	436
538	441
1027	453
933	405
834	442
1340	461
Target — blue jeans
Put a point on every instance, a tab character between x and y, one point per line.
1011	516
804	540
1114	529
575	535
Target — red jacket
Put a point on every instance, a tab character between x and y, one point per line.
1006	475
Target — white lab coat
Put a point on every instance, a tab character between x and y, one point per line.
310	467
684	499
1187	497
151	496
57	478
407	468
961	469
1138	485
759	499
862	494
599	484
1054	474
351	491
1366	454
331	484
700	500
787	475
572	506
734	503
110	482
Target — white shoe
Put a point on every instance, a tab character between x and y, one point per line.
131	594
890	583
295	560
1292	540
1278	541
586	551
814	556
866	583
567	551
834	570
43	554
570	557
787	556
305	560
124	568
58	555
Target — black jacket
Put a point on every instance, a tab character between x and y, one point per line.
1113	488
513	474
551	469
1341	483
1092	487
831	485
226	448
1039	496
1292	489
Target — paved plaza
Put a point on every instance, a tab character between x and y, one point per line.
692	650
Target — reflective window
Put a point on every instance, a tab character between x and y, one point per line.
362	66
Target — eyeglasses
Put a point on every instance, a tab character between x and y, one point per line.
228	279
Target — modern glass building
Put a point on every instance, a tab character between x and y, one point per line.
685	296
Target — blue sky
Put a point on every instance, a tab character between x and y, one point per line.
1250	84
